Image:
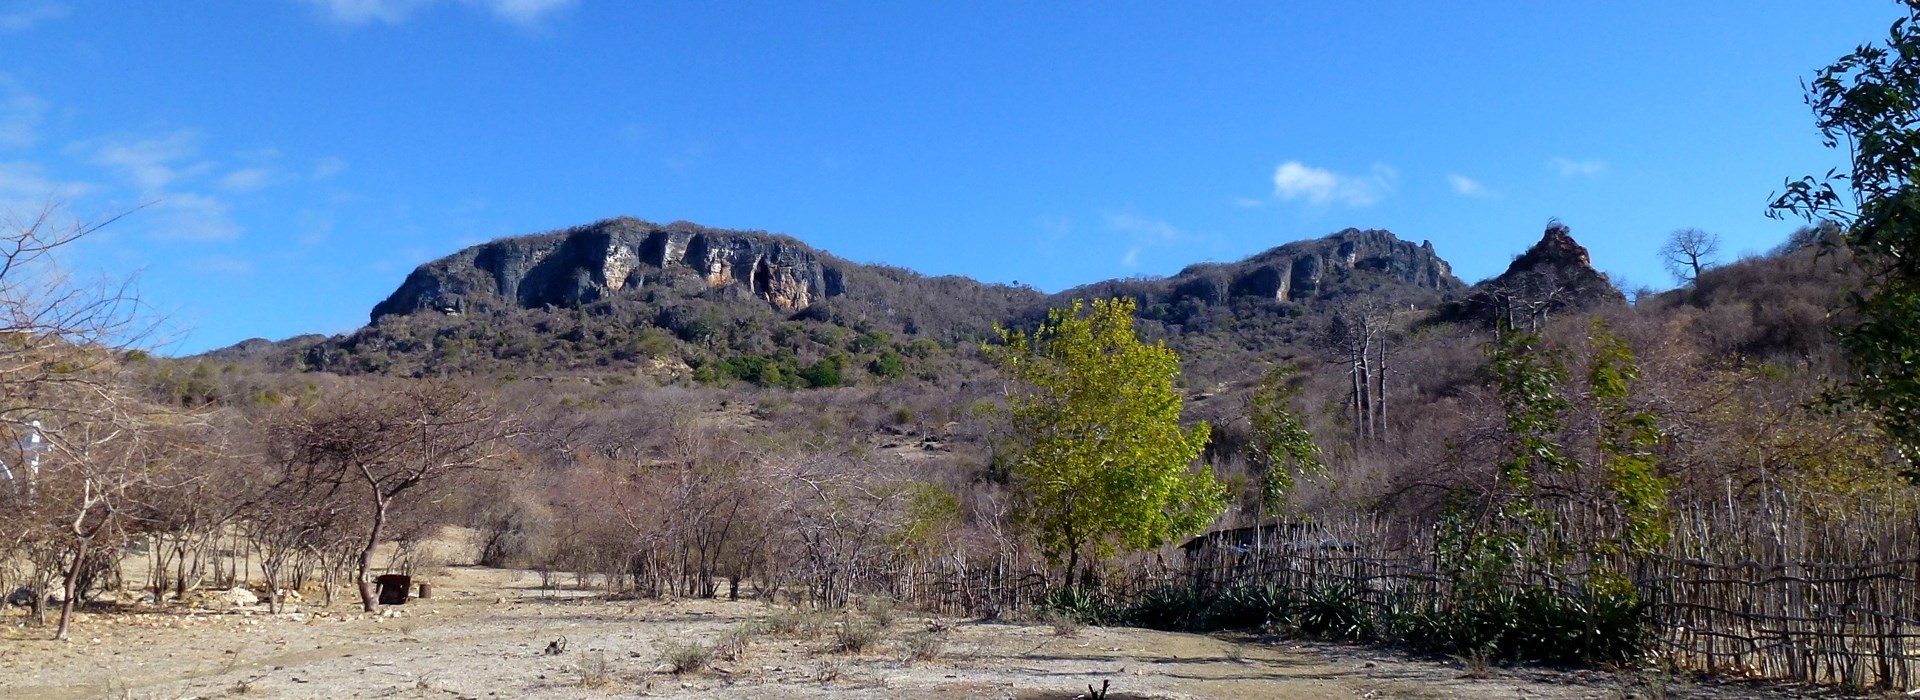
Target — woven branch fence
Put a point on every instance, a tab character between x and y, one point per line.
1776	591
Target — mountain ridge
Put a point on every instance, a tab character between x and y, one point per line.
691	294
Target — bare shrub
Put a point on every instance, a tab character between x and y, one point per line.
734	644
595	670
690	657
855	636
924	646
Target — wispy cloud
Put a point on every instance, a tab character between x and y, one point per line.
151	164
25	188
1468	187
161	168
1154	229
1143	232
21	15
1569	167
329	167
1318	186
193	217
20	115
222	265
526	13
248	179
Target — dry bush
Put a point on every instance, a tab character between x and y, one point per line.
734	644
855	636
925	645
595	670
688	657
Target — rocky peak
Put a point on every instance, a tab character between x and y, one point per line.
587	263
1554	275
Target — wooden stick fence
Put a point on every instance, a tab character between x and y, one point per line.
1779	592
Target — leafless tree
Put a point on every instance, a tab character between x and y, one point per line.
390	442
1689	252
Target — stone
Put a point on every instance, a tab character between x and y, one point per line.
237	596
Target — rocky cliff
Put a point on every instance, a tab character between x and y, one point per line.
584	264
1300	270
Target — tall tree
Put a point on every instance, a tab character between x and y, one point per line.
1869	101
1103	461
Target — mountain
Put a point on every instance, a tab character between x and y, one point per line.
680	297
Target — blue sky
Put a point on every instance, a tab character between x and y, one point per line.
298	157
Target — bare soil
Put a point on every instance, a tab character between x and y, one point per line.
487	634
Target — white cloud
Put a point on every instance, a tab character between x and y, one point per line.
1318	186
1468	187
393	12
248	179
1132	258
21	15
1578	168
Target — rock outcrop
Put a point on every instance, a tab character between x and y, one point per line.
1553	276
587	263
1299	270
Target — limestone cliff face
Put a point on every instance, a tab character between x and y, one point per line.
1298	271
587	263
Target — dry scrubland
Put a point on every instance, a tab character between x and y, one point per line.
487	633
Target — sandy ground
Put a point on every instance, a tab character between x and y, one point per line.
486	634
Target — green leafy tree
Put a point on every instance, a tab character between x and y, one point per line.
1282	446
1869	101
1102	461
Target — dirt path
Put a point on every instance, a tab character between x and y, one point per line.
486	634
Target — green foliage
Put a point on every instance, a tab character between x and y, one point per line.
888	365
1529	379
1869	100
1627	438
824	373
775	371
1603	622
1102	459
1282	445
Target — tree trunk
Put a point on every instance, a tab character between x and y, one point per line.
368	602
67	589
